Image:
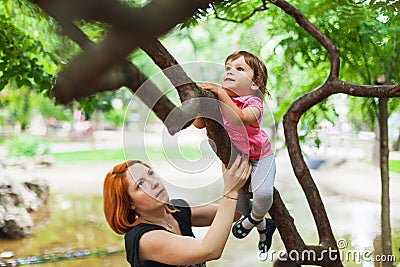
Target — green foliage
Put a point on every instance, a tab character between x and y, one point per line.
21	57
25	146
27	60
362	114
19	106
115	117
367	34
102	101
312	120
47	108
15	106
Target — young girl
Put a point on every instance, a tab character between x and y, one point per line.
241	96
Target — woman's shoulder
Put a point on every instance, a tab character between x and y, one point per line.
140	229
180	203
183	209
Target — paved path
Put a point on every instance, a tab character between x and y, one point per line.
342	173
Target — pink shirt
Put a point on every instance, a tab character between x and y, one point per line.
251	139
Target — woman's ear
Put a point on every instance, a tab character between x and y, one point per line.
132	207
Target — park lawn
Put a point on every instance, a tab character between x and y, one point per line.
153	154
394	166
89	155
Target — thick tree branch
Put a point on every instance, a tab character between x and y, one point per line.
290	121
285	223
187	89
86	69
128	75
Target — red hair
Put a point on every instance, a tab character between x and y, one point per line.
116	199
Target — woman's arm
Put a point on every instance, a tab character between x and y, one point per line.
204	215
231	112
168	248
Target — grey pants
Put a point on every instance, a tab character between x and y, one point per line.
262	186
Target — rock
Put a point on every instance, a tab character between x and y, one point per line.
18	223
16	201
2	216
40	188
46	160
6	254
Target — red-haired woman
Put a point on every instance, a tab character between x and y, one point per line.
158	232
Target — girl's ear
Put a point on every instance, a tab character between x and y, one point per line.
132	207
254	86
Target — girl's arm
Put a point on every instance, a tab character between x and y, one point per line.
168	248
231	112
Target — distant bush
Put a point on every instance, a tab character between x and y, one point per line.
115	117
25	146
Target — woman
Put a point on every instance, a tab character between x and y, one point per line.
137	205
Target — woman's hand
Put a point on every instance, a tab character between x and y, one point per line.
212	87
236	176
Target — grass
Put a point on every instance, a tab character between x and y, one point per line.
154	154
394	166
89	156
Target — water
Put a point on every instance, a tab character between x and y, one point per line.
76	222
70	223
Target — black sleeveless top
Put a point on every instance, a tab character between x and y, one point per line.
132	237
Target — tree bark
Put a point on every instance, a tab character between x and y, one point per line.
85	70
385	193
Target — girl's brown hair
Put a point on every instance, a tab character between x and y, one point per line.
117	201
260	70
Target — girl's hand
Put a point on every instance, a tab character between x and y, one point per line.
237	175
212	87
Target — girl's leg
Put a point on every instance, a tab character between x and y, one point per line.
243	204
262	185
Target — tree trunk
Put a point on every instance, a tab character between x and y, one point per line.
24	117
375	156
385	196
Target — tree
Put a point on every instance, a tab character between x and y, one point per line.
369	50
103	66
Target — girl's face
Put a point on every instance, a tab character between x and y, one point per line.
237	78
145	188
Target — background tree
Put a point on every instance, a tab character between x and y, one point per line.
369	52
